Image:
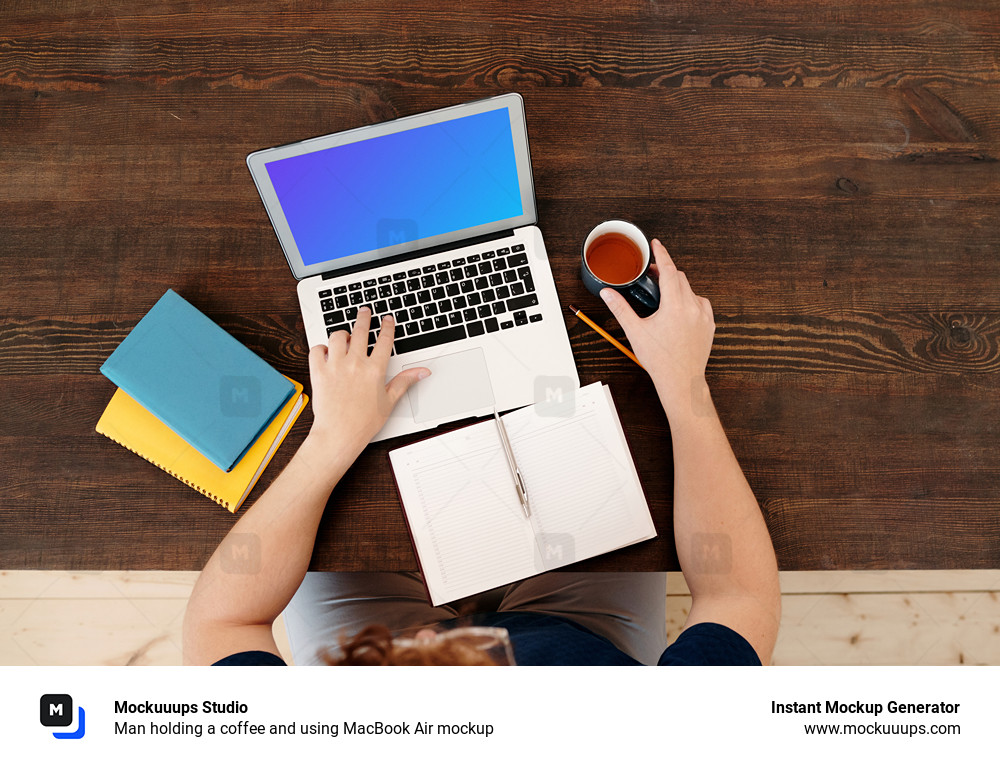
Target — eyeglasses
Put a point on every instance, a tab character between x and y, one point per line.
495	642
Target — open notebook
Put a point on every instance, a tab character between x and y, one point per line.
467	526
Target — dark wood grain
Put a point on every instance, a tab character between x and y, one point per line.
827	174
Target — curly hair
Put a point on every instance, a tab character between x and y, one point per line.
374	646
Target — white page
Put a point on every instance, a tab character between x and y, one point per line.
465	518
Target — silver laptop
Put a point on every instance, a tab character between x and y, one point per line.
430	218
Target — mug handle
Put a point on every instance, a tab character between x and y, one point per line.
644	295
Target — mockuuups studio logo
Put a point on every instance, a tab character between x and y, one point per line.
56	710
553	549
239	396
394	231
555	396
240	553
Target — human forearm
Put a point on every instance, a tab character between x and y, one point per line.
261	562
723	544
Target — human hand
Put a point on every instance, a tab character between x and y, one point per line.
351	400
673	343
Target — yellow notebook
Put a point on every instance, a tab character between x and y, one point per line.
134	427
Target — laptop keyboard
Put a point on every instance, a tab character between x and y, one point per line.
443	302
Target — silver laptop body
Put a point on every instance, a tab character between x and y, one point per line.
430	218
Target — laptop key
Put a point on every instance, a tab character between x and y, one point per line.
485	267
488	254
496	279
518	259
326	304
371	339
471	271
507	324
503	250
427	281
510	276
442	277
499	264
409	299
475	328
444	306
520	318
413	273
455	274
518	248
412	285
397	303
375	322
334	317
384	291
492	325
474	299
400	331
416	313
489	296
384	279
356	298
474	258
381	307
401	316
371	294
481	283
458	262
499	307
429	269
340	290
455	317
517	289
529	284
535	318
369	282
331	330
469	314
440	321
483	311
411	328
452	289
503	292
398	288
428	339
444	265
355	286
399	275
351	313
430	309
437	293
466	286
426	325
460	302
325	293
524	272
522	302
424	296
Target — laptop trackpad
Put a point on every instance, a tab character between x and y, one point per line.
459	382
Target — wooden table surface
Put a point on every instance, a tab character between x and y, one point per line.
825	172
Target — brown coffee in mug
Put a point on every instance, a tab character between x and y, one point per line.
615	258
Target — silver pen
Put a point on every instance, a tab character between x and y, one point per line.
522	491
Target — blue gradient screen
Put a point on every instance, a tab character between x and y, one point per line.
401	187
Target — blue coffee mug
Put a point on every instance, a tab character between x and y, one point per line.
642	292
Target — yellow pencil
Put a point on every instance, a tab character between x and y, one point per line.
607	337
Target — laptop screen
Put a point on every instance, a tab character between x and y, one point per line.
379	195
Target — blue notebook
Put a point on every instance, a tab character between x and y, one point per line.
209	388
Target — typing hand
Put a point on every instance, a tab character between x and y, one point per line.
351	400
674	342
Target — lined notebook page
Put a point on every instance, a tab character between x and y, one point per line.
465	519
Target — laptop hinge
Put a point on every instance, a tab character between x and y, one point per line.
412	254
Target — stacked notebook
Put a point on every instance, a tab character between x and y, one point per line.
468	527
197	403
